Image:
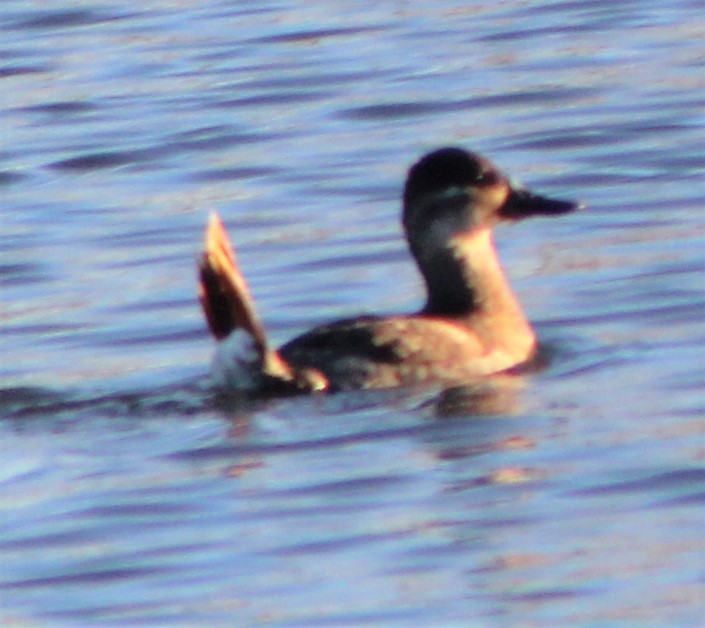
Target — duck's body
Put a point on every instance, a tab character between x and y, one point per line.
383	352
471	326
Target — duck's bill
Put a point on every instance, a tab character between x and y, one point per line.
523	204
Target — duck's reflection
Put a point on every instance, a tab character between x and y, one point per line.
477	409
498	396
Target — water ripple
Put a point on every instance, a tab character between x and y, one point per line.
134	493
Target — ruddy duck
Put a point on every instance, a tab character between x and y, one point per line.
471	325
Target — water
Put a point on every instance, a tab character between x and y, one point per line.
132	494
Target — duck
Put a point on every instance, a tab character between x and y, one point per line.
471	326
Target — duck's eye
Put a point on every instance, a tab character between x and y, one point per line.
487	177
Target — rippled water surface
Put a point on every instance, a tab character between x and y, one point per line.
131	493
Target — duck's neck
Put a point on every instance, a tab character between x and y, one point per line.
465	281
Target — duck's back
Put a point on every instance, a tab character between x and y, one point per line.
380	352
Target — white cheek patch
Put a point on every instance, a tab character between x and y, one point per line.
237	362
440	233
442	230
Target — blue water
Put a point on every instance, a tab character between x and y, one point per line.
131	493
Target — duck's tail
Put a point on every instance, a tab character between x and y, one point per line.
223	292
228	307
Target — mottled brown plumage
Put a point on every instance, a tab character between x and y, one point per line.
471	325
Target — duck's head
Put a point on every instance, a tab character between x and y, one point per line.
452	191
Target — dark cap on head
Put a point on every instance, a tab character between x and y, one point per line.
442	169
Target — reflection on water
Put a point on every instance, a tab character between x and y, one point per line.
133	493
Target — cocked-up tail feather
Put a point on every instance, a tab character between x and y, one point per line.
224	294
228	307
